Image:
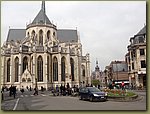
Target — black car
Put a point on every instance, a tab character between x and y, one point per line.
92	94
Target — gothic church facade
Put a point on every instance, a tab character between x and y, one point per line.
43	55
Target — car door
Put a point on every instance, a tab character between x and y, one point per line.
86	93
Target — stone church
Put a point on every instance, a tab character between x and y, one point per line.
42	55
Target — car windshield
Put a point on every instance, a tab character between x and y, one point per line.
94	89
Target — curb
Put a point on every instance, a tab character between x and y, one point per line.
127	99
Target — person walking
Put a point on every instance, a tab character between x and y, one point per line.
61	89
122	85
14	91
22	90
35	91
10	91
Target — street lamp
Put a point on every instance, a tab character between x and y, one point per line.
117	70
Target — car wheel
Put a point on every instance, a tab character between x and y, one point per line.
81	97
91	99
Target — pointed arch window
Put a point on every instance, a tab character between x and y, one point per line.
83	70
48	35
41	38
33	35
28	35
48	68
8	70
25	63
16	69
55	69
63	69
40	69
72	69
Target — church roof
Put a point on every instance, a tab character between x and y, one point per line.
64	35
16	34
41	18
67	35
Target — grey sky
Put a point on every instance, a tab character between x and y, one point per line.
104	27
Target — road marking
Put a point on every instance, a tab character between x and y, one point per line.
26	95
21	96
16	104
43	95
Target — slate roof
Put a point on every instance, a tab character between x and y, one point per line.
142	31
16	34
64	35
67	35
41	18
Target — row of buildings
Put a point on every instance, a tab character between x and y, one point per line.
42	55
132	71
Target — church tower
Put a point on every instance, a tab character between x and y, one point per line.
41	32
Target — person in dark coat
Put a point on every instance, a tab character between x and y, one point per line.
14	91
61	89
10	91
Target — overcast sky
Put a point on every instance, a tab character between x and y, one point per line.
104	27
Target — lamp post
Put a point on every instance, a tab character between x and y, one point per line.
116	70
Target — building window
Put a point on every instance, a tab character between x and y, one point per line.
48	35
28	80
83	70
55	69
23	80
25	63
132	66
143	64
48	68
16	69
129	68
63	69
8	70
142	52
72	69
33	35
40	69
141	40
41	38
53	33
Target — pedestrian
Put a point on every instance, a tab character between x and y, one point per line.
35	91
122	85
10	91
27	88
30	88
22	90
61	89
14	91
57	90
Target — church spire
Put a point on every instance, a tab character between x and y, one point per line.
43	6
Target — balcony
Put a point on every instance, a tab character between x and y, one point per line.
7	51
63	50
55	49
15	50
25	48
39	49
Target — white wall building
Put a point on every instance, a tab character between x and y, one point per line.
136	59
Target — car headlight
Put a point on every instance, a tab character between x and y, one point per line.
106	93
95	95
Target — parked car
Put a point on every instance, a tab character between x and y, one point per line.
92	94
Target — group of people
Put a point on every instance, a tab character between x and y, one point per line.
112	85
64	90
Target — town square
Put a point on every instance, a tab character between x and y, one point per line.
73	55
